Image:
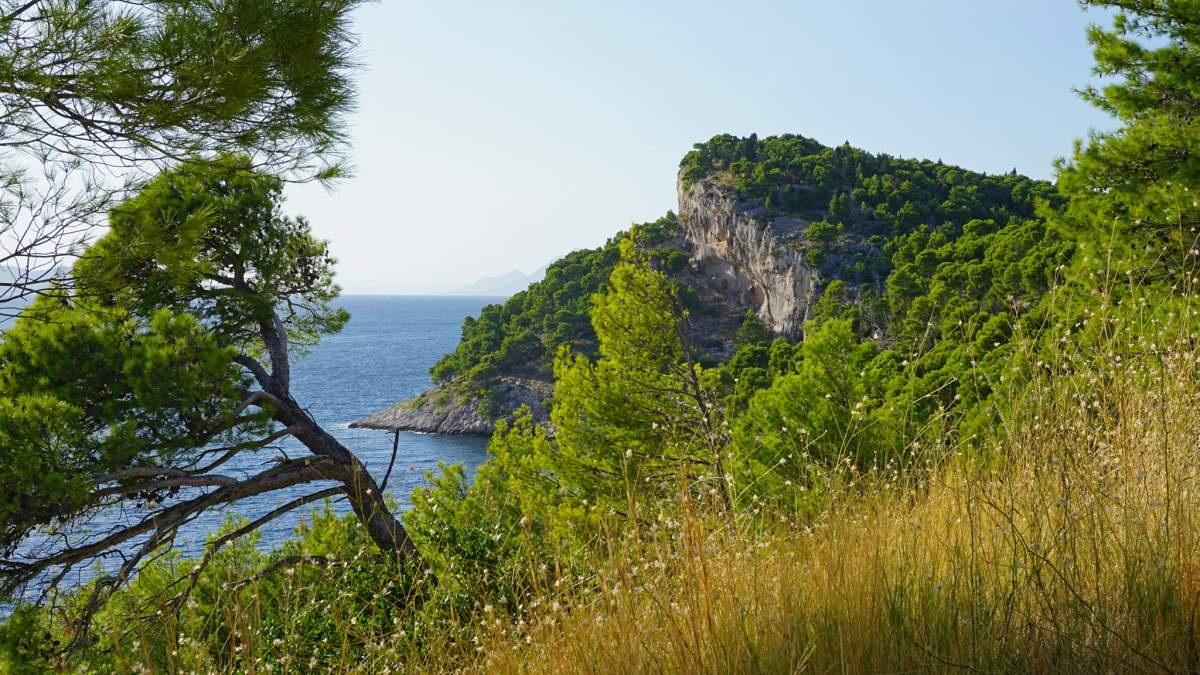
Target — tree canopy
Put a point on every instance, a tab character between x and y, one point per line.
522	336
98	96
642	413
1133	190
167	359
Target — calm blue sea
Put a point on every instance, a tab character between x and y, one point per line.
382	356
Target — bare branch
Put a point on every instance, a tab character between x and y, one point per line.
392	462
167	483
216	545
260	374
14	573
233	451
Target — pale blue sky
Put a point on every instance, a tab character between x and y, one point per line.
495	135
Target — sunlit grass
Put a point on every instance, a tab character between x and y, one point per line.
1074	548
1062	539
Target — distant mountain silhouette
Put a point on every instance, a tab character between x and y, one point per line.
502	285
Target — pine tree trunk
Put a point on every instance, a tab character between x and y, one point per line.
366	500
372	510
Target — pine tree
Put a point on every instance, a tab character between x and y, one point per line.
644	413
168	358
97	96
1134	189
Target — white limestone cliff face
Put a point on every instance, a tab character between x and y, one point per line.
741	258
743	255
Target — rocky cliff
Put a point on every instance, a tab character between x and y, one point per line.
740	257
766	225
743	253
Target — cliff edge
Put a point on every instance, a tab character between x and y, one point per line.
738	256
765	226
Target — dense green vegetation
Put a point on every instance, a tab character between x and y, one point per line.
951	310
981	454
857	202
521	336
168	358
938	238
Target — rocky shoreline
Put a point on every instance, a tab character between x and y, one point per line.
454	410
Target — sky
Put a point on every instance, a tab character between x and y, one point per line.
493	136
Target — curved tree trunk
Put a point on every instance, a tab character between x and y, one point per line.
360	487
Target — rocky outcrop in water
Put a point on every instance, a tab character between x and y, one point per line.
450	409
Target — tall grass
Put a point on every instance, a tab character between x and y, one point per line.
1074	546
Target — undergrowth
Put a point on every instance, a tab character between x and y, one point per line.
1065	539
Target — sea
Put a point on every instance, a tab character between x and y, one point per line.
382	356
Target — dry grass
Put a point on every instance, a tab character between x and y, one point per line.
1076	551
